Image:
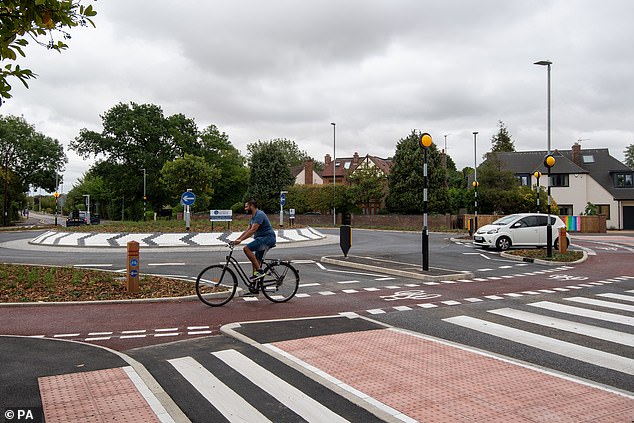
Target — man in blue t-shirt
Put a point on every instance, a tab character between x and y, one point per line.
263	237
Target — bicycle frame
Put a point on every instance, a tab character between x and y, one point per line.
230	260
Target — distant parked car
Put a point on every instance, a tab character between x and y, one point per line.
78	218
519	230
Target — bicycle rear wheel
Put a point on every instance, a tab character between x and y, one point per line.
216	285
281	282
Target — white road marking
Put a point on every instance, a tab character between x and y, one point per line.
166	264
224	399
376	311
427	305
568	326
617	296
133	331
92	265
304	285
402	308
600	303
584	312
67	335
346	282
566	349
99	333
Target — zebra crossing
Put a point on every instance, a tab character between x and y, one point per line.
594	329
229	381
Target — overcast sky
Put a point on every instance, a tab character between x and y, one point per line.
269	69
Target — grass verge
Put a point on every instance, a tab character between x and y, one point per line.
23	283
540	253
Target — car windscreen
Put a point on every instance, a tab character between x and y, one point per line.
505	220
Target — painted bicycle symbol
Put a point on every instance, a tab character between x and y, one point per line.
568	277
417	294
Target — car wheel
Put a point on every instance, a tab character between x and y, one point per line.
503	243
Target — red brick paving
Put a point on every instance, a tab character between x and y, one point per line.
434	382
98	396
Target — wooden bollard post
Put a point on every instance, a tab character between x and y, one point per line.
132	280
563	244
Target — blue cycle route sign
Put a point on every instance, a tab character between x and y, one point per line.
282	199
134	273
188	198
134	262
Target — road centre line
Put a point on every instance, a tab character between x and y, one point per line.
166	264
346	282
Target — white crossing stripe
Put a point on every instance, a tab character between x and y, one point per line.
566	349
224	399
568	326
296	400
584	312
617	296
304	285
601	303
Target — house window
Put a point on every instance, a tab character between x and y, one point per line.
604	209
624	180
588	158
524	179
559	180
565	210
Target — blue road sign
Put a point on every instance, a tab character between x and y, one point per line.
134	262
282	198
134	273
188	198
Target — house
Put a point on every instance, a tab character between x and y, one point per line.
346	166
580	177
305	174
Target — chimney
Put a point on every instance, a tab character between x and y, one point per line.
327	160
355	158
576	154
308	172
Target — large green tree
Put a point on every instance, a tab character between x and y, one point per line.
43	21
28	159
629	156
190	171
134	137
502	140
270	165
368	185
406	178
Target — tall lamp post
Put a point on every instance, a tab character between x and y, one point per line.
475	182
549	161
144	196
425	142
334	173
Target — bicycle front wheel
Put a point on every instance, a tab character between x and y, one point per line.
281	282
216	285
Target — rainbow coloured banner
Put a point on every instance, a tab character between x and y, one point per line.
573	223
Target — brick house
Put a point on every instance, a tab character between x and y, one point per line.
580	177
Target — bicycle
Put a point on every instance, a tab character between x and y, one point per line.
217	284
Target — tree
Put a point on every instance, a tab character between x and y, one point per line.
502	140
368	186
136	137
20	19
231	183
406	178
190	172
270	172
28	159
629	156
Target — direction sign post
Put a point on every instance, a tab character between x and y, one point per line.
187	199
282	202
132	280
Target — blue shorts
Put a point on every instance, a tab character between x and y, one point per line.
258	245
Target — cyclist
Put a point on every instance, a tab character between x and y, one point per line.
263	237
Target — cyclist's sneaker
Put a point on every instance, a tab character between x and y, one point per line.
257	275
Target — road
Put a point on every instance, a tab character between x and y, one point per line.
574	320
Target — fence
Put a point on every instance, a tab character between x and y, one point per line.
587	224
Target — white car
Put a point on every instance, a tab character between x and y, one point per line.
519	230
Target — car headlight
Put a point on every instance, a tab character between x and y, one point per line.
493	231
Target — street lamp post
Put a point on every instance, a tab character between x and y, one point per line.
548	163
334	173
537	175
144	196
475	182
425	142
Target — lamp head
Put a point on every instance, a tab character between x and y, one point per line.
425	140
543	63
